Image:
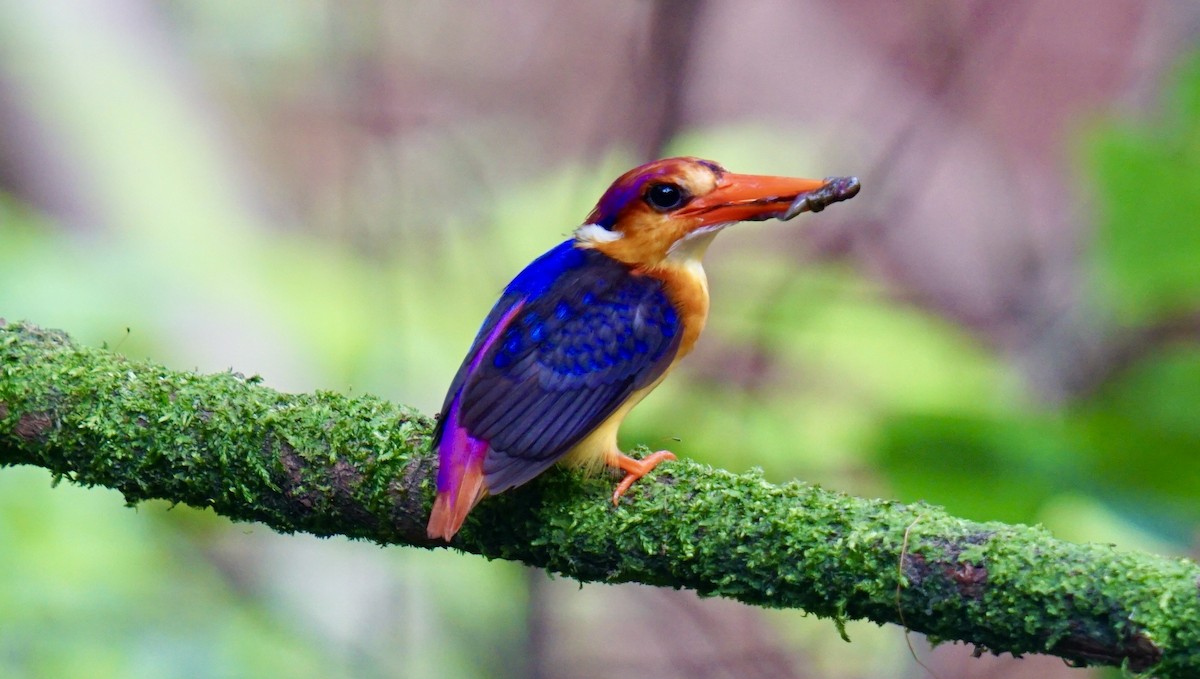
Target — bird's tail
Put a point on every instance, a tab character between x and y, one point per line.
451	507
460	477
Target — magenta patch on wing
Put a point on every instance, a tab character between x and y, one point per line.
458	449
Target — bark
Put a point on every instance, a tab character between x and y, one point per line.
330	464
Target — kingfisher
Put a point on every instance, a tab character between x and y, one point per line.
591	327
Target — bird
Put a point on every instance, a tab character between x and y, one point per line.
592	326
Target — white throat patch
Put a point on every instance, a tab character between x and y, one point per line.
693	246
592	234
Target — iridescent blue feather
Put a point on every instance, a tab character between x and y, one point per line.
573	335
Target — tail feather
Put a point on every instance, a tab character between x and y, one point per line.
450	508
460	480
460	477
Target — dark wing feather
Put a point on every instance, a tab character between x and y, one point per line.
567	358
502	308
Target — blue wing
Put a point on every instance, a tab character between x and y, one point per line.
571	338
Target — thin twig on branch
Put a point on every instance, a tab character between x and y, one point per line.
329	464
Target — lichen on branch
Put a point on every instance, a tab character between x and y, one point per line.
330	464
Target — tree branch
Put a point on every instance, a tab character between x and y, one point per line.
328	464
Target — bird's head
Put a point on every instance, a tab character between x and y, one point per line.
672	208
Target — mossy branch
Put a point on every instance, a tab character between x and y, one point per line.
329	464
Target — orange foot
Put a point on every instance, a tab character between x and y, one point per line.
636	469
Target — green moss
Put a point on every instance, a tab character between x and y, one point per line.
329	464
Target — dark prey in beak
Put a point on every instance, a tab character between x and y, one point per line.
835	190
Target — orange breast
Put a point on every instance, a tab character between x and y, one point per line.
687	288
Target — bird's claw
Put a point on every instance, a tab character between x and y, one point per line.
636	469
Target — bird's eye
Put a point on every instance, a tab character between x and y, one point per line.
663	197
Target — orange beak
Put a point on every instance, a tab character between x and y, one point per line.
747	197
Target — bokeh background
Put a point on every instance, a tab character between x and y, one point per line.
330	194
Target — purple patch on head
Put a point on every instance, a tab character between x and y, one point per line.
628	188
614	200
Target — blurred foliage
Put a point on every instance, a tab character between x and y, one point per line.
89	592
1145	182
1132	444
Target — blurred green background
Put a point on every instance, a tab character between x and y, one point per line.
331	194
